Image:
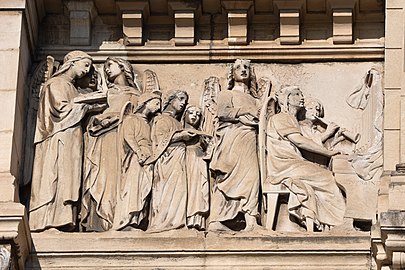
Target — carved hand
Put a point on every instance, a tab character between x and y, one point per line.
97	107
333	153
331	129
142	157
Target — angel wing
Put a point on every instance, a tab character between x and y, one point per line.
209	105
40	75
150	81
267	109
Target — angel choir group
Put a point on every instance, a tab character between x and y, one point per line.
134	160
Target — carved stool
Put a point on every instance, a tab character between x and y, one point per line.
272	195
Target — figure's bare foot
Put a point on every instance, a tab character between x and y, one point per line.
218	227
251	223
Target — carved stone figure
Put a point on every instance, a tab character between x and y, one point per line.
326	133
102	163
197	172
169	189
58	140
136	180
235	159
314	195
5	257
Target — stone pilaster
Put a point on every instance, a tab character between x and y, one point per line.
394	121
18	32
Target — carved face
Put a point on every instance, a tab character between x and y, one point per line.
112	69
81	67
312	110
179	102
193	116
153	105
241	71
296	99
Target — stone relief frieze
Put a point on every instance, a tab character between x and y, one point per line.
116	153
5	258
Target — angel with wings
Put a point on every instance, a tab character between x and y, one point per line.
57	168
102	166
135	184
235	161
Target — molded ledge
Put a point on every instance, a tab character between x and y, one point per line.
185	249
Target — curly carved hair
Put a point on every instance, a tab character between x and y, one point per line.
252	85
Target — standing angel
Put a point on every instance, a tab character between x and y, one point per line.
197	171
58	142
136	180
235	160
314	195
169	189
102	162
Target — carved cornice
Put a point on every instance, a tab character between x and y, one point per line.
206	53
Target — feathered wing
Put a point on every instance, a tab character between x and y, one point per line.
209	105
41	74
266	111
150	81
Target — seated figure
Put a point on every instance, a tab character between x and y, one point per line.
315	197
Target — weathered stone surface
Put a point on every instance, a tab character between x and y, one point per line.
173	250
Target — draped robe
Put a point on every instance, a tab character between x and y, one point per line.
169	189
56	177
235	160
314	192
136	180
102	162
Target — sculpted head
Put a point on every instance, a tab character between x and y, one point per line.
115	67
149	103
289	97
176	100
76	63
192	116
242	71
313	109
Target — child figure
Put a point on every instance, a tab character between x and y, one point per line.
197	171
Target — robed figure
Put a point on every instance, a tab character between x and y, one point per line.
102	158
134	188
169	189
235	159
58	142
